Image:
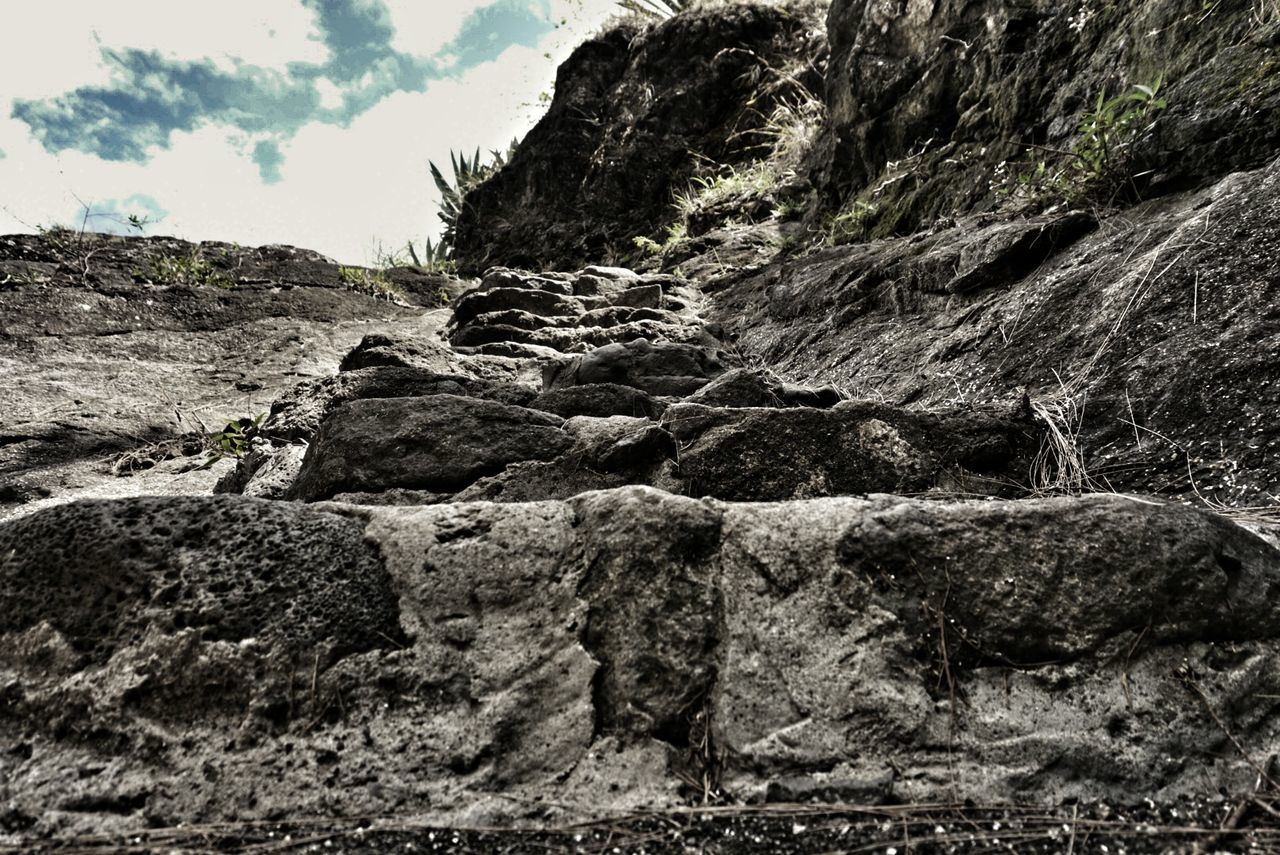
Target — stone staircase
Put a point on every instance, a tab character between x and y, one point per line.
609	566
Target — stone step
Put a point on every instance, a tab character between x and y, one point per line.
225	658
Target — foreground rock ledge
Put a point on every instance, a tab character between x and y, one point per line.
183	660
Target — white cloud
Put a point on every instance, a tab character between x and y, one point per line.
57	45
341	189
425	26
330	94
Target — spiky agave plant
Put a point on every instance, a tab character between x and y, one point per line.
656	8
435	257
467	174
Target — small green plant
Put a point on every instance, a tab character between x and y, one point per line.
647	245
234	440
435	258
372	282
1111	132
676	232
190	269
850	224
1102	164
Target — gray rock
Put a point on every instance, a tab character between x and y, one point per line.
769	454
576	192
542	303
378	350
1020	72
275	478
104	575
847	655
665	368
503	277
439	443
738	387
297	415
597	399
520	319
1092	330
613	316
619	443
615	274
651	562
102	365
578	338
620	642
512	350
745	387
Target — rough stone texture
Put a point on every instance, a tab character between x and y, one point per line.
597	399
924	99
100	360
297	414
436	442
651	561
264	473
762	454
1160	328
473	639
1035	673
600	651
659	369
105	575
391	351
745	387
525	315
637	112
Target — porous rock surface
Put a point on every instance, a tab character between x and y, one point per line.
127	350
667	413
453	660
752	525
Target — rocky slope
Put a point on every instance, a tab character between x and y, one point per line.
120	355
758	526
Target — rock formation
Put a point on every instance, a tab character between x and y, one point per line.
964	514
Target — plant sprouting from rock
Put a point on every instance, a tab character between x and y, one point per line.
1103	163
468	173
192	268
371	282
434	259
234	440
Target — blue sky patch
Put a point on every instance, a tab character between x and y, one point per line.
268	157
152	96
112	215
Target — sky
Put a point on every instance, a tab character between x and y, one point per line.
303	122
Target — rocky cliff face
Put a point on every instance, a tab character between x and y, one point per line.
925	98
962	517
637	113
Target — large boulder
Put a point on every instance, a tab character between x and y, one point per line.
1144	343
770	454
440	443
